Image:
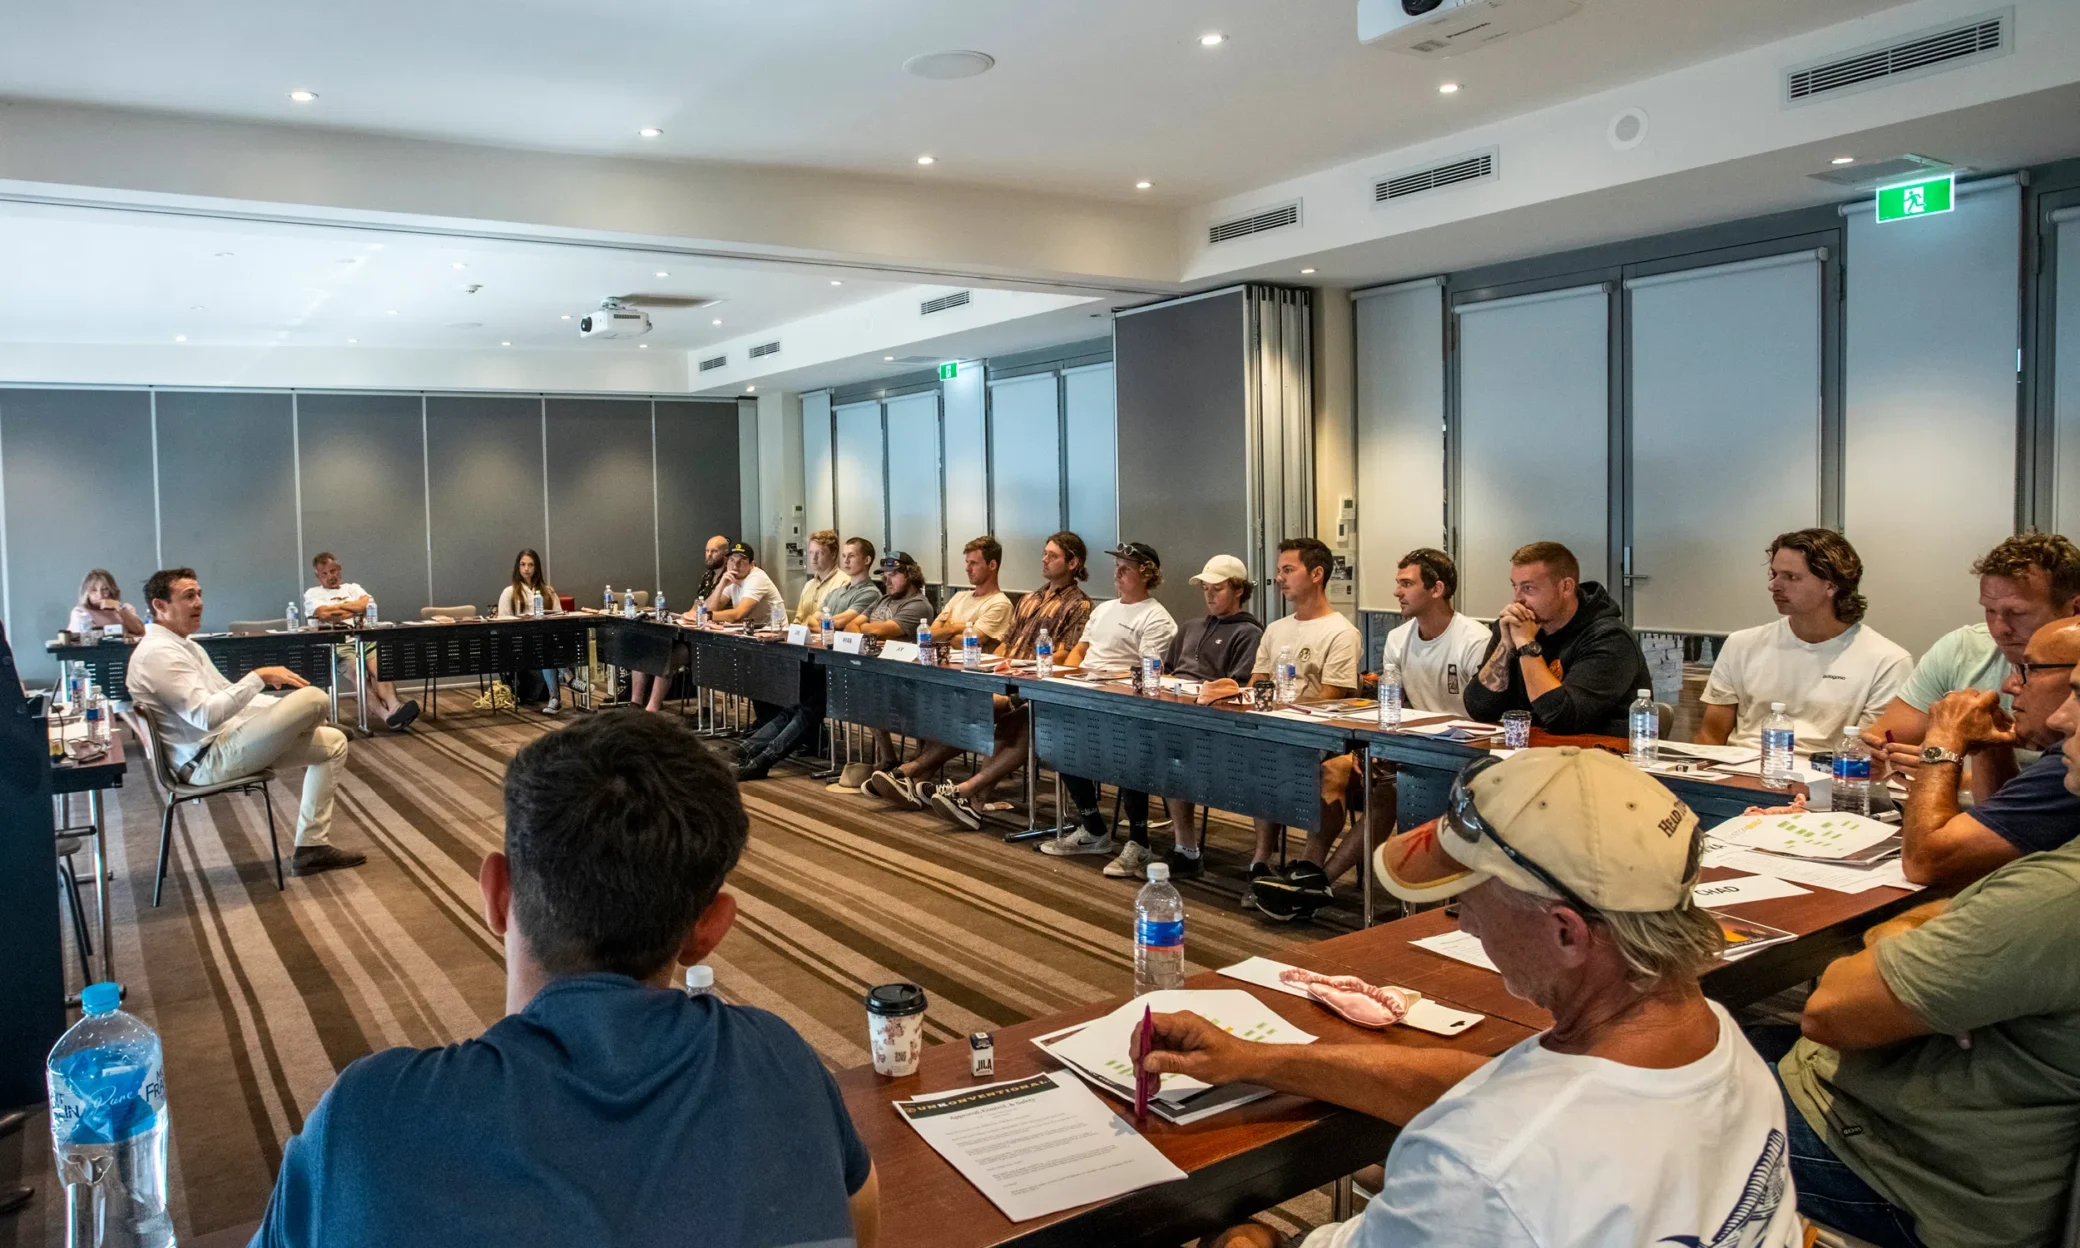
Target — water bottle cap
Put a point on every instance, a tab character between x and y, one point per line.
1158	872
1646	693
700	977
1776	707
102	998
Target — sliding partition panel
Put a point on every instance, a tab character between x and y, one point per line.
2065	392
915	523
53	445
1533	436
860	470
818	479
966	427
1025	456
1930	424
227	500
602	513
1726	435
699	491
1091	447
1401	463
361	472
488	498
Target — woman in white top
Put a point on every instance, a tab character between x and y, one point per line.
101	604
530	578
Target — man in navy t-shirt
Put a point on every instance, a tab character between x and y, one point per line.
606	1107
2016	813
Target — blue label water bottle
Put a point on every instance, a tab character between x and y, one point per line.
106	1078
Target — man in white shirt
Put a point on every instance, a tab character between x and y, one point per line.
1829	669
336	600
1643	1117
1437	649
1324	649
745	594
215	729
824	576
1121	633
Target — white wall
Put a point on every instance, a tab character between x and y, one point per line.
167	364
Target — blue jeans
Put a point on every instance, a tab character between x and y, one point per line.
1830	1192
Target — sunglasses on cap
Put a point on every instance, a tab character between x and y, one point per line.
1462	818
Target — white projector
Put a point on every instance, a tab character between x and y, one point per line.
614	319
1442	28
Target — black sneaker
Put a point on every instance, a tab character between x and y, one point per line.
890	785
403	717
1183	868
1257	871
1297	894
954	805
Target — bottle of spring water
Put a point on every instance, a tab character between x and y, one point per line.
924	644
1644	722
108	1124
293	617
1043	656
1852	773
1158	933
657	606
606	600
700	980
824	626
1284	674
534	603
1779	751
96	715
373	616
1389	695
971	648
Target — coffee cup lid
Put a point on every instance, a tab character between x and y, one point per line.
896	999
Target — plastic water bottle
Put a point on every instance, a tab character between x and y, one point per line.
700	614
1158	933
96	715
628	605
824	626
1779	749
1152	679
108	1123
76	683
1644	722
292	619
924	644
1852	773
1390	695
1287	676
373	618
700	981
971	648
657	605
534	603
606	600
1043	656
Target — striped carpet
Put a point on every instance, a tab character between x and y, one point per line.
263	996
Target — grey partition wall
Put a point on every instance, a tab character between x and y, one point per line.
227	499
361	474
699	493
55	447
487	497
915	523
602	504
1400	431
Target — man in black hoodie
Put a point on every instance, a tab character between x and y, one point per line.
1561	650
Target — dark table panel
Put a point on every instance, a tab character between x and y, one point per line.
476	647
931	703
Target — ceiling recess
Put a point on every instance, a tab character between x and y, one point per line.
958	299
1460	171
1925	52
946	66
1258	222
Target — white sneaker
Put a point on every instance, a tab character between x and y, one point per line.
551	708
1133	856
1080	842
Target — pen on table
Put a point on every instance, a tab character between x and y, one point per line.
1142	1078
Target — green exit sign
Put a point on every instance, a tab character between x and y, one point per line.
1925	198
947	372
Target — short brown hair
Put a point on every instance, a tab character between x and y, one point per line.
322	558
1435	566
1314	555
991	549
826	538
864	545
1073	547
1830	557
2056	555
1559	560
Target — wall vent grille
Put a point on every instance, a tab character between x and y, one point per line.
958	299
764	349
1256	223
717	362
1478	167
1928	52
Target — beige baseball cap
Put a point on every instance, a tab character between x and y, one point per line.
1221	568
1591	820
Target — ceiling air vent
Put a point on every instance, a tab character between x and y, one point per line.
764	349
717	362
1926	52
958	299
1478	167
1256	223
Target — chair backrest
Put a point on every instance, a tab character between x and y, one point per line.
1667	715
146	730
253	628
642	596
464	612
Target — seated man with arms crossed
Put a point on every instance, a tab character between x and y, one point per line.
983	604
1935	1096
607	1107
1437	649
1642	1118
824	576
1560	650
647	690
896	614
2028	811
1325	648
1121	633
1829	669
851	591
215	729
335	600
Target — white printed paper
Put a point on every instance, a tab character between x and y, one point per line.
1038	1146
1101	1046
1458	946
1713	894
1835	877
1730	755
1813	834
899	651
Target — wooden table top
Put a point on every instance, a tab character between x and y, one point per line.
105	772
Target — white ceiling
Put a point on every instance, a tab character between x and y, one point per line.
97	276
1087	95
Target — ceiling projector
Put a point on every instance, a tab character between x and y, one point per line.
1442	28
614	319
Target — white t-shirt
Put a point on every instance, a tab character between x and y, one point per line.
1435	673
1539	1147
319	596
759	587
1325	650
1120	635
1842	682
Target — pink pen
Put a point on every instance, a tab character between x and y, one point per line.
1145	1083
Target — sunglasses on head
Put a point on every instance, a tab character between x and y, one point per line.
1462	818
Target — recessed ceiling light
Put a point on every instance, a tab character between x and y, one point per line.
180	337
303	97
1212	39
649	132
389	311
642	346
662	273
1843	160
1305	272
566	316
718	322
836	282
505	344
1448	88
225	255
946	66
197	307
927	160
457	264
1142	186
888	359
749	389
352	341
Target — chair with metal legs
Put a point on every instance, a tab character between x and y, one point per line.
68	884
173	791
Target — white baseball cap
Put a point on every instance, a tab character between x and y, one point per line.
1221	568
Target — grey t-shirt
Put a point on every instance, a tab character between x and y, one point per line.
910	610
860	597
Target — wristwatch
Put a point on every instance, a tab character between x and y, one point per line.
1933	754
1529	650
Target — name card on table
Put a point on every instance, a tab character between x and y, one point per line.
900	651
797	634
847	643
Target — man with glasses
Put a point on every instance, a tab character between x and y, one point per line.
1642	1117
2025	810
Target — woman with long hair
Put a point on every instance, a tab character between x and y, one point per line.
100	604
531	577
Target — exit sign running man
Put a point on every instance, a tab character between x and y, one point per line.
1925	198
947	372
